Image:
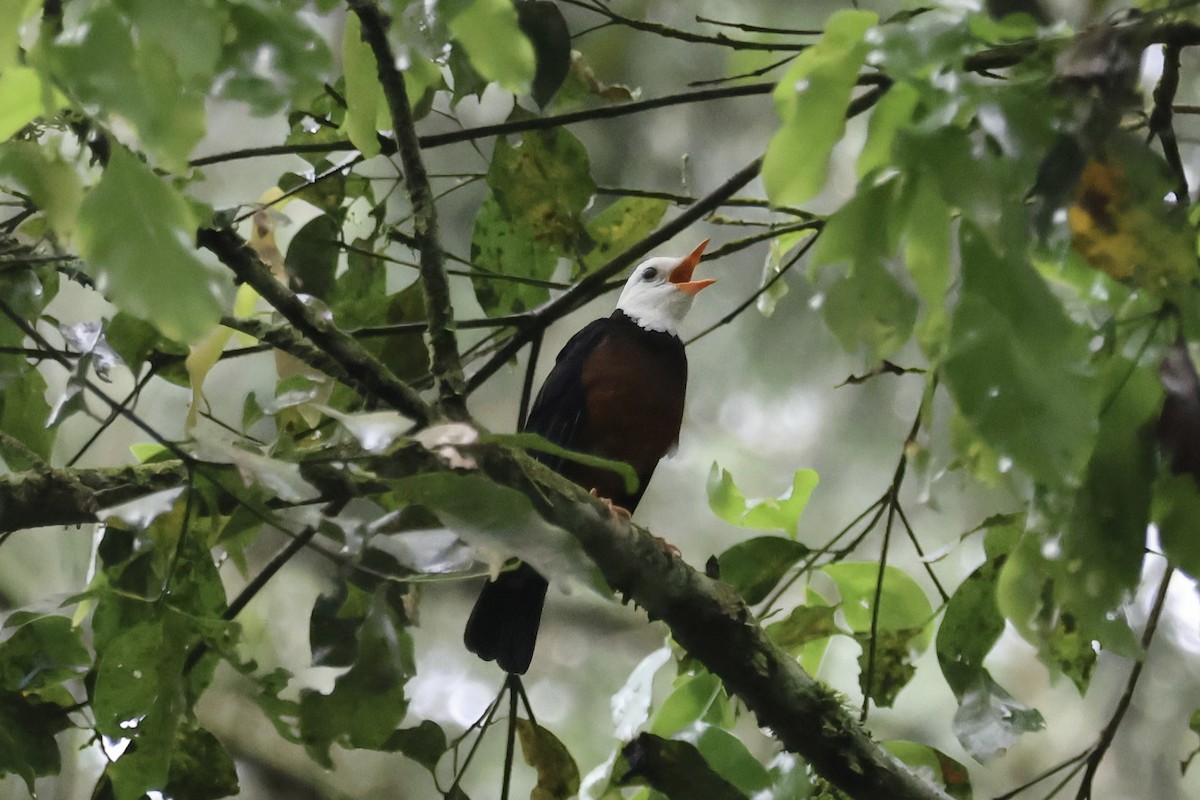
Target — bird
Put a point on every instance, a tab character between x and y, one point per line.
616	391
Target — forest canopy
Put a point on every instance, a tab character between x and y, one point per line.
278	280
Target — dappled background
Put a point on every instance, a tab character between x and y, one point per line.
771	392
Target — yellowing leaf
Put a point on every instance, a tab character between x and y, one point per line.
1122	227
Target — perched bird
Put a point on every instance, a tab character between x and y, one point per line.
616	391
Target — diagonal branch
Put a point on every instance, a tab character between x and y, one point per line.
595	282
371	377
432	140
705	615
443	345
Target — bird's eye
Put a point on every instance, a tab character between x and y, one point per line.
650	274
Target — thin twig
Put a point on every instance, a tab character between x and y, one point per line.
1051	772
684	36
893	503
748	28
1110	730
113	415
1161	122
443	344
754	73
766	286
510	746
92	388
503	128
589	287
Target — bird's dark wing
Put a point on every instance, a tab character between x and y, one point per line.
560	409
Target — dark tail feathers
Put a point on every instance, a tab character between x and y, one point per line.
504	622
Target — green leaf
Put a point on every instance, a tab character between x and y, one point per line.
299	64
805	624
755	566
1176	512
950	773
39	656
137	235
543	23
886	663
1019	368
988	720
334	624
1026	593
364	94
867	307
201	768
512	265
1104	535
557	773
545	182
499	50
892	113
139	695
811	101
424	744
406	354
689	703
619	226
189	30
368	701
540	444
970	627
927	255
677	769
27	730
24	414
902	603
766	514
51	183
24	96
312	255
870	311
729	758
13	13
136	79
540	187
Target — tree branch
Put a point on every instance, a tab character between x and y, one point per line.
371	376
430	141
1110	730
684	36
443	345
705	616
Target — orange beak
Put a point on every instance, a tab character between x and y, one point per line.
681	276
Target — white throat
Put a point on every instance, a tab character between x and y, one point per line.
651	300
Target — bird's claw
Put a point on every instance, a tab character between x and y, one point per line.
669	550
617	511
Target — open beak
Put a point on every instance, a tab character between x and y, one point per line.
681	276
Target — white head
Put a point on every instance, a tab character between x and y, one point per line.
660	291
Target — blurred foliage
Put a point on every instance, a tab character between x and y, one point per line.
1017	227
